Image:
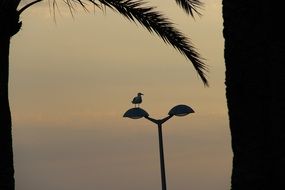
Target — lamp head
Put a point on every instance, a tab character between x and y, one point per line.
180	110
136	113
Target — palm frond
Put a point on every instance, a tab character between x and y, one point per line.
154	21
190	6
28	5
72	3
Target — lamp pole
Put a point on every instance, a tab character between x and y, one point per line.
179	110
162	165
161	152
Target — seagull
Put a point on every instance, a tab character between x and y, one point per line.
138	99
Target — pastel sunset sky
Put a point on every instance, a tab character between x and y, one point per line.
72	80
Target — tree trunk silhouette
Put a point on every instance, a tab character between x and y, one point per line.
6	152
9	25
254	55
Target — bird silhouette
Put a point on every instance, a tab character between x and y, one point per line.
137	100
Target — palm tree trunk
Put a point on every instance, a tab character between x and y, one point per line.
254	54
9	26
6	151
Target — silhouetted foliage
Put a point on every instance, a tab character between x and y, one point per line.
154	21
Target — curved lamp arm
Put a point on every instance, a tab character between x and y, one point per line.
158	121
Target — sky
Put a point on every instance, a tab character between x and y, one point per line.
73	78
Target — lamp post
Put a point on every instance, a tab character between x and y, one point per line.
179	110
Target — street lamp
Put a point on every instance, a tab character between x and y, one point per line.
179	110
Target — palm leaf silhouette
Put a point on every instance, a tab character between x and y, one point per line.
190	6
155	22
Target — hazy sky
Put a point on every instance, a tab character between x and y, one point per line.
72	80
